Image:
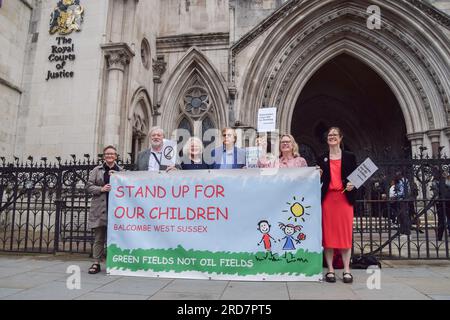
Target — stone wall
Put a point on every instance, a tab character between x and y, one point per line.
15	19
141	74
60	116
248	13
443	5
193	17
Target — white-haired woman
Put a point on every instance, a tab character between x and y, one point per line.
193	155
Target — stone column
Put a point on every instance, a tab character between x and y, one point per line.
435	138
118	57
232	92
416	140
232	22
159	68
447	134
117	22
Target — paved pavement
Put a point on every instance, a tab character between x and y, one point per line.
45	278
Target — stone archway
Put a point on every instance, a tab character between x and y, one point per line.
347	93
138	124
410	57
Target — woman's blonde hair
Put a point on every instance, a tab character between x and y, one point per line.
295	149
187	146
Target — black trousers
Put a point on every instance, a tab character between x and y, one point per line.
443	215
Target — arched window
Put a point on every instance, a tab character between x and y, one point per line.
140	129
145	53
206	125
196	105
184	131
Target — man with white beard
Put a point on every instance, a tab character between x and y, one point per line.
150	159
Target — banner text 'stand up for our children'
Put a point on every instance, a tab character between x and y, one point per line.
227	224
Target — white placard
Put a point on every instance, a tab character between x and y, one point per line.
267	119
363	173
169	153
252	156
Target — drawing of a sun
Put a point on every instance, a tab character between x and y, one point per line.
297	209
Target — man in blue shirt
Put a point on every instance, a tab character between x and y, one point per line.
228	156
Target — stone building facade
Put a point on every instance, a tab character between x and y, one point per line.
198	64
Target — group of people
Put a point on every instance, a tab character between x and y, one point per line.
338	194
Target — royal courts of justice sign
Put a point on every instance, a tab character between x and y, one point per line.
224	225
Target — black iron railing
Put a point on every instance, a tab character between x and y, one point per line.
44	208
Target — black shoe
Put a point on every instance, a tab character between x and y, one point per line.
330	277
95	268
347	277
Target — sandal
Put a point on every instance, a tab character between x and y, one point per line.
95	268
347	277
330	277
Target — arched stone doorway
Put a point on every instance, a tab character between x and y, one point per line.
407	53
345	92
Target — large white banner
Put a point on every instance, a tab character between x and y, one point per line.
219	224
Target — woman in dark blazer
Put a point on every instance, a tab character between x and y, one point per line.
338	198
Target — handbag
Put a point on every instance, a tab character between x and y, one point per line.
365	261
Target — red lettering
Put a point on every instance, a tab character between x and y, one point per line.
185	190
220	191
198	189
120	193
190	214
179	194
201	213
211	213
150	214
220	213
140	213
130	191
119	212
161	192
140	193
211	192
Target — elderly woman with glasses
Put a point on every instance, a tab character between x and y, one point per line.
193	155
289	154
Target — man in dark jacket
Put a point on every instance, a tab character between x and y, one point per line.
443	205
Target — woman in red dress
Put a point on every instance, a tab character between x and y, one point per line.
338	198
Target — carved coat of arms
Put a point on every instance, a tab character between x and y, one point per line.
67	17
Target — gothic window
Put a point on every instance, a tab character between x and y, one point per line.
145	53
140	130
206	125
197	105
186	125
196	101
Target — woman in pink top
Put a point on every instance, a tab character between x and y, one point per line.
266	160
289	154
